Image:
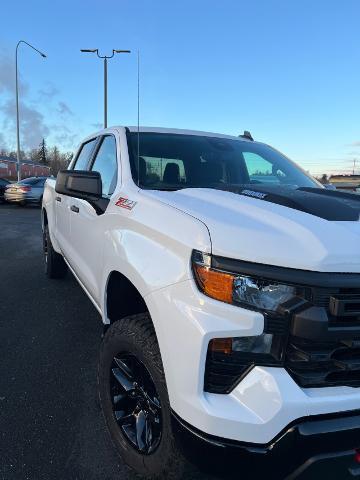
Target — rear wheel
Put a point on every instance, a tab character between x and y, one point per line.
134	400
55	266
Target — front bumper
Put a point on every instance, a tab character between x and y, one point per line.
312	448
262	404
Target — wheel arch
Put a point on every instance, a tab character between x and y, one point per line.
122	298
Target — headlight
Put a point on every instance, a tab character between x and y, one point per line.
250	291
262	294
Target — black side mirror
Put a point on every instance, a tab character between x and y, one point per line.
79	184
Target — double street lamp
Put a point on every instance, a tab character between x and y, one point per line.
17	102
105	74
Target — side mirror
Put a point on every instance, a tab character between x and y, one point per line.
79	184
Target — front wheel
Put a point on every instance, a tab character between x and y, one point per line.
134	400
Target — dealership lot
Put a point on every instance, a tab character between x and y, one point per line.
50	423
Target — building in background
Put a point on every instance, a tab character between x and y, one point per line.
346	182
27	169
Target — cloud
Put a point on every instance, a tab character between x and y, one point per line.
32	125
48	93
64	109
355	144
97	126
7	77
2	141
65	136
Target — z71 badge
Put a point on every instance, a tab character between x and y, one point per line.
125	203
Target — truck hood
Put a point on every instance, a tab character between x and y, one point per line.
308	228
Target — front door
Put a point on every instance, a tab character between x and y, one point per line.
88	226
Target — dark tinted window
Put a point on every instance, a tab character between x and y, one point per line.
106	164
174	161
84	155
32	181
3	181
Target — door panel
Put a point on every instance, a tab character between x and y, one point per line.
85	249
62	220
86	226
64	202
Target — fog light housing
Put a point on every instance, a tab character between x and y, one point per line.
256	344
229	360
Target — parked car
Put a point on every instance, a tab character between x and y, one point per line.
228	282
29	190
3	184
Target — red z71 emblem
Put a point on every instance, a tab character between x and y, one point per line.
125	203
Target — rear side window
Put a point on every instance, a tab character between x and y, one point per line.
41	182
106	164
84	155
31	181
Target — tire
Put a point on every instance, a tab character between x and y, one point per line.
135	335
55	267
22	203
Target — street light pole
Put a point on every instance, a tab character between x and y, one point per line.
17	103
105	57
105	92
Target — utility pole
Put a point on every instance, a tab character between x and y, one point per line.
17	102
105	58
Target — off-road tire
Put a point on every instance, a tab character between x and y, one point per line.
136	335
55	266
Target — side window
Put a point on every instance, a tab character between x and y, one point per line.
83	157
261	170
106	164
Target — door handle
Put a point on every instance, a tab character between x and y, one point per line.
58	199
74	208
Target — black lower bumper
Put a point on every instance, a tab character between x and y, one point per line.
312	448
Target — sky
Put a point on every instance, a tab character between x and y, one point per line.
287	70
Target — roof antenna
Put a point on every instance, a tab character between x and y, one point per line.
138	117
247	135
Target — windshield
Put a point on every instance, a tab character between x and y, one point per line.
170	161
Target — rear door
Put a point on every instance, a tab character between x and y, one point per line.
63	202
87	226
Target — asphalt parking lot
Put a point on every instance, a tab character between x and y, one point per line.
50	423
51	426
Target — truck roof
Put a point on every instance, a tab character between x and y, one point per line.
178	131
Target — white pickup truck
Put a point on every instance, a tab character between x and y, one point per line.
228	282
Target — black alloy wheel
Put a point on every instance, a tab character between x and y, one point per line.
136	404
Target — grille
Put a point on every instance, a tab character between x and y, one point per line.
317	363
325	364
